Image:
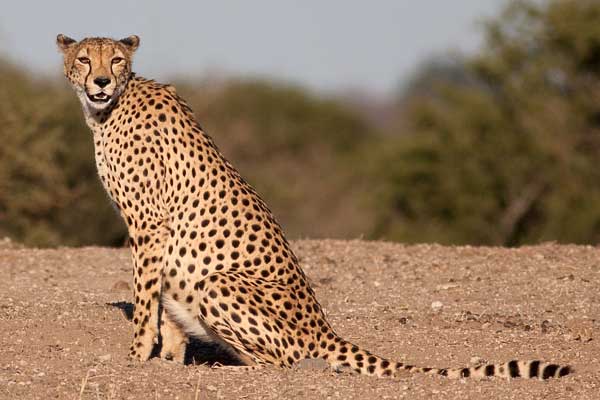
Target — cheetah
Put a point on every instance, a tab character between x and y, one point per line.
209	258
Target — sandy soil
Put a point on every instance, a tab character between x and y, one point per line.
64	331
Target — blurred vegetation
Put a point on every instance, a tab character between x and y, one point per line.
49	192
504	147
500	148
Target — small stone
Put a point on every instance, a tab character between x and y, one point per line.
475	361
545	326
211	388
105	358
446	286
121	286
436	305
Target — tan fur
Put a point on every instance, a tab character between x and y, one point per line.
203	241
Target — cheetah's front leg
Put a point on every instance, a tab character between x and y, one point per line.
148	249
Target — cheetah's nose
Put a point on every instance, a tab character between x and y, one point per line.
102	81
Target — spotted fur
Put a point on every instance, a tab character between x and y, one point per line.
205	246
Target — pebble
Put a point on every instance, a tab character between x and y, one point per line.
446	286
475	361
121	285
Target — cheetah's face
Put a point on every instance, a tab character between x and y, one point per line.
98	68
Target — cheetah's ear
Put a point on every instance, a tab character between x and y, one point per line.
131	42
64	42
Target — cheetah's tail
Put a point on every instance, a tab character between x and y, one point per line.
347	355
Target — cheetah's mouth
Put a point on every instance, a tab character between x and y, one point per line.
99	97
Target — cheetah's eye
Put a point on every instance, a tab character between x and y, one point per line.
83	60
117	60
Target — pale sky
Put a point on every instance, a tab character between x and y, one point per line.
327	45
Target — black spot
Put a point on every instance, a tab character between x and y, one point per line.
513	369
549	371
162	117
564	371
465	373
442	372
489	370
534	369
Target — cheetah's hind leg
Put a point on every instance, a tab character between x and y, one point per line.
173	339
180	325
256	317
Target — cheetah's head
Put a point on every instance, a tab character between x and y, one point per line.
98	68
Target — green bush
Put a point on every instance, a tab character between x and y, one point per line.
48	186
508	153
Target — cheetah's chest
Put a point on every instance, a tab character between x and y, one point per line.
130	173
102	163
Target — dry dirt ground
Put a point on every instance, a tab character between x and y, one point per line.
64	331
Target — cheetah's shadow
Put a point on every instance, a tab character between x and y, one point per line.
197	351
